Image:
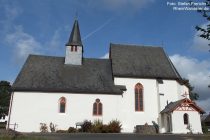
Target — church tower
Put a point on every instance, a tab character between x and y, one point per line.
74	47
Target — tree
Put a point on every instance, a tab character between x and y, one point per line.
193	95
5	94
205	31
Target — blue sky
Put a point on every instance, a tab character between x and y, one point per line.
43	27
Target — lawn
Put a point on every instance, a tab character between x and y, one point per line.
91	136
6	137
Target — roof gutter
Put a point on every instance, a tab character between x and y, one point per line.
66	91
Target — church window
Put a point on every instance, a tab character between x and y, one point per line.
62	105
97	108
139	104
186	118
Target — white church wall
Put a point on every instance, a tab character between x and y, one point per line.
178	122
183	91
169	91
29	109
129	117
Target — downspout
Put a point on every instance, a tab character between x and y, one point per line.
158	95
10	109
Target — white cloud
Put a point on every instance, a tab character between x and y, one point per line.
201	43
198	73
54	44
10	13
20	42
106	56
23	43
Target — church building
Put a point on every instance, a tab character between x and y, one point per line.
137	85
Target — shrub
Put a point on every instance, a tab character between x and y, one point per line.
3	125
43	127
204	128
52	127
72	130
79	130
86	127
61	131
105	128
97	126
114	126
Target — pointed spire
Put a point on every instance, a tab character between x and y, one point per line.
75	38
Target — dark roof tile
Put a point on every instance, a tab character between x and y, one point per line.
142	62
46	73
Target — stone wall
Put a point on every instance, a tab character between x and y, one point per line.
145	129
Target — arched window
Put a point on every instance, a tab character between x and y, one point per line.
62	105
186	118
97	108
139	104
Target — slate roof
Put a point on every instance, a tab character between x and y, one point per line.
173	105
75	38
141	62
50	74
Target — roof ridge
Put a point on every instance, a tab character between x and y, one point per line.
133	45
37	55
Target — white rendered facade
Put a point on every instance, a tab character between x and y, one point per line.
29	109
39	108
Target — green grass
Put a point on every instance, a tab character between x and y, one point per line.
21	138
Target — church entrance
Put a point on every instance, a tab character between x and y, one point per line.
169	125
